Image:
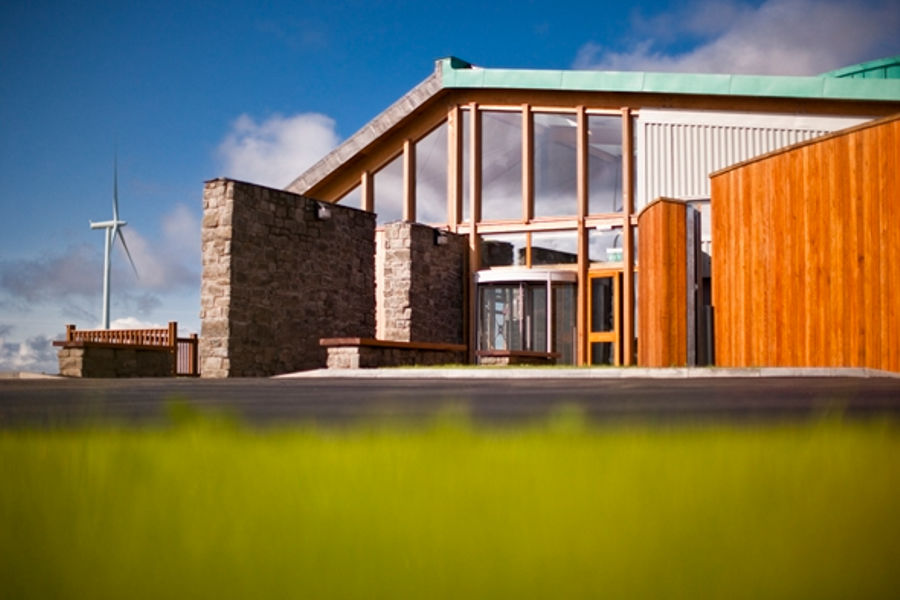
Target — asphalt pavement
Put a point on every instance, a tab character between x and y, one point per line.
512	397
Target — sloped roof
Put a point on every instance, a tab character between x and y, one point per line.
454	73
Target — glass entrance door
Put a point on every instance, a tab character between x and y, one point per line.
604	316
513	316
531	311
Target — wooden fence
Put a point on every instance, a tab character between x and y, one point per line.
184	349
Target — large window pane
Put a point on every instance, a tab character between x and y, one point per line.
505	250
388	188
431	177
604	164
555	166
501	165
465	121
554	248
352	198
605	246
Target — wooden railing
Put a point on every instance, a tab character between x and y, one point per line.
184	350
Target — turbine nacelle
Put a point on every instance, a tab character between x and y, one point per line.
107	224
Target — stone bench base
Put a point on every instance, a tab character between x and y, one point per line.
515	357
91	359
369	353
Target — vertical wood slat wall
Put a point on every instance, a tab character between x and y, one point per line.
662	291
806	262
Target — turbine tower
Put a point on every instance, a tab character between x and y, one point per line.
113	230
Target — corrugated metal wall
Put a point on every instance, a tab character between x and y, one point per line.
677	150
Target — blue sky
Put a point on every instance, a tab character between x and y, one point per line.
188	91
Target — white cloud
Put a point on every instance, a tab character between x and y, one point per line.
275	151
35	354
778	37
166	264
134	323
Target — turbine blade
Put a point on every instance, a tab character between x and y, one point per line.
118	233
116	187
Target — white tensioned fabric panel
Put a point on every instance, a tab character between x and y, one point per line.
677	150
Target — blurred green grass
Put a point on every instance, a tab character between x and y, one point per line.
206	508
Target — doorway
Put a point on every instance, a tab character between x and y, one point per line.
604	318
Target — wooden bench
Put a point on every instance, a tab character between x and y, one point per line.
515	357
369	353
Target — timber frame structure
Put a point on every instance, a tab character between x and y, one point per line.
503	136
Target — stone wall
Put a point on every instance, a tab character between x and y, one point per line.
424	284
277	278
80	360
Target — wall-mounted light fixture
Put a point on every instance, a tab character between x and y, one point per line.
440	238
323	211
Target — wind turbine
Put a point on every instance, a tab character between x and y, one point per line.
113	230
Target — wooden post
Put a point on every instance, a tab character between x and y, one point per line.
70	333
409	181
194	358
454	168
581	304
527	164
367	197
627	239
173	345
474	216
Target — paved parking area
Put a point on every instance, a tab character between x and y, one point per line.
58	402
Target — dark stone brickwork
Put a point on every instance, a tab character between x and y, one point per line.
277	278
112	361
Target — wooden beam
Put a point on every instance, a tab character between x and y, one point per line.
454	168
627	333
409	181
367	192
581	310
527	164
474	217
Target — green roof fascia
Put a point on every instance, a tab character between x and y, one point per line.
860	88
877	69
452	76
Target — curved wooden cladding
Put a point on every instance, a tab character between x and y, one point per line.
662	295
806	256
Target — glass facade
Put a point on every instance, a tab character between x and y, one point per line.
524	314
554	247
431	176
555	165
604	164
501	165
352	198
605	246
465	123
388	191
503	250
